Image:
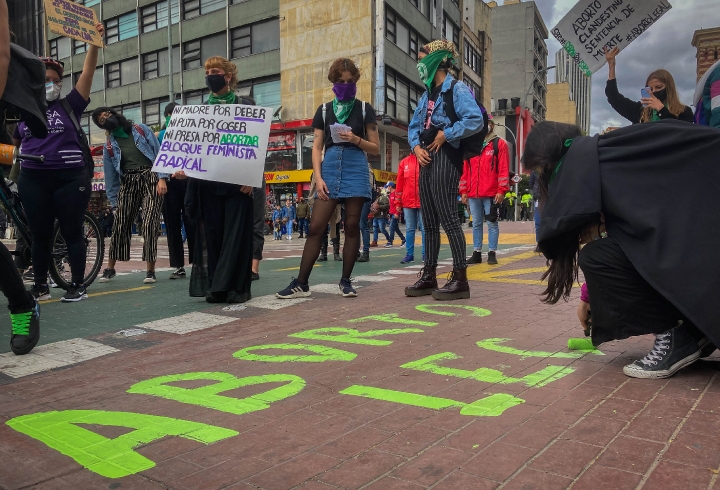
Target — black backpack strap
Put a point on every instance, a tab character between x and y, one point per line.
450	103
496	154
71	114
82	138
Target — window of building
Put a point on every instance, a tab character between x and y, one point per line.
473	60
265	91
155	16
401	96
60	48
401	34
196	8
123	73
79	47
154	110
156	64
67	85
474	88
121	28
423	6
98	82
131	112
196	97
451	31
201	49
255	38
88	3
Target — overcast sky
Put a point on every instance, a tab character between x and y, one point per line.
665	45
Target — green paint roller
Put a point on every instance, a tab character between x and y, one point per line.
581	344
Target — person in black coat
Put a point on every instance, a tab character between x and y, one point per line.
640	275
663	101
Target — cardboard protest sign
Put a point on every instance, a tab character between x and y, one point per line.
593	24
221	142
72	20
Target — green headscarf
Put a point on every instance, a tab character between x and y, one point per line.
228	98
428	66
342	109
167	121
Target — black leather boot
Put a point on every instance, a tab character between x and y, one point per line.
323	253
336	252
425	285
457	287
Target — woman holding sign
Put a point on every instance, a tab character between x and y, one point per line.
660	99
346	129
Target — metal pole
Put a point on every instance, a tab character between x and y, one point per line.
171	88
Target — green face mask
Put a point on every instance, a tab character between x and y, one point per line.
428	66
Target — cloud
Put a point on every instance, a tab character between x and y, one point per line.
665	45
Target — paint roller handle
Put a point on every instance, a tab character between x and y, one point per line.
32	158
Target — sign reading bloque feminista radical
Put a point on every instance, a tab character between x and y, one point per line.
592	25
72	20
220	142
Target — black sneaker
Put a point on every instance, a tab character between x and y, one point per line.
364	257
492	259
178	274
28	275
149	278
347	290
672	351
476	258
294	290
107	275
254	276
74	294
40	293
25	330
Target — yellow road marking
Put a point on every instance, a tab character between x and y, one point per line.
294	268
92	295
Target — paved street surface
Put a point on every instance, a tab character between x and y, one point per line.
142	387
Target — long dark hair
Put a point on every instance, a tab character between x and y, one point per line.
544	148
125	123
168	111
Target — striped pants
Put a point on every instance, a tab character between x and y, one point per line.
137	189
439	183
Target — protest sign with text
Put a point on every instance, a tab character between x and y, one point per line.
592	25
72	20
221	142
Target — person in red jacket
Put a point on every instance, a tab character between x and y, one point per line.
395	215
483	184
407	198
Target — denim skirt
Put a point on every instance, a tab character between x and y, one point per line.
346	172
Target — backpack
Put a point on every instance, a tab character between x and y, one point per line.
82	140
471	146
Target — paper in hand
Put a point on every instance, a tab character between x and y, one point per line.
336	129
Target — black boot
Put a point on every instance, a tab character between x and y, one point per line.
323	253
457	287
425	285
476	258
364	257
336	252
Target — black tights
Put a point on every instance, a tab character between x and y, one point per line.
318	227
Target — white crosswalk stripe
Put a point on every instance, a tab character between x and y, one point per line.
52	356
190	322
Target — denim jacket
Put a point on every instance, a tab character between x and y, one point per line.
289	213
468	112
149	147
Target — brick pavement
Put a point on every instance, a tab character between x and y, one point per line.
363	421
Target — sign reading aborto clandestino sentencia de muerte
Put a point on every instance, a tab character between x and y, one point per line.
220	142
592	25
72	20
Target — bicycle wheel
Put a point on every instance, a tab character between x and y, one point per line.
95	243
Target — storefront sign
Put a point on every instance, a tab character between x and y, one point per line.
592	25
221	143
72	20
383	176
288	176
281	141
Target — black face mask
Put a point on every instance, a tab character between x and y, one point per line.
111	123
661	95
215	83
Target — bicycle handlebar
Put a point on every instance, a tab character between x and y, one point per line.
32	158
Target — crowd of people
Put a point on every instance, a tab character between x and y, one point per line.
638	275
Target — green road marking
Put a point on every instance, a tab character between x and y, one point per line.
111	458
494	345
352	336
431	309
392	318
104	293
207	396
325	353
491	406
541	378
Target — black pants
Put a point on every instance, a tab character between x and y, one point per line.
174	214
258	221
622	303
19	300
439	183
47	195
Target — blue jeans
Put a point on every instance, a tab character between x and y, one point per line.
303	227
479	208
379	224
289	228
395	228
413	220
536	219
364	228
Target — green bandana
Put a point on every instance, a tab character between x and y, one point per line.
343	109
568	143
428	66
120	133
228	98
167	121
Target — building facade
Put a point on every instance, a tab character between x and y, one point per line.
26	24
560	105
520	56
282	49
707	43
567	71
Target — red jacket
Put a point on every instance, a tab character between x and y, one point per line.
485	175
394	208
407	193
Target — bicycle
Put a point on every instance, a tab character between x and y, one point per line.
59	267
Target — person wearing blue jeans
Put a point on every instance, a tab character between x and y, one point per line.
413	220
289	214
479	208
379	225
